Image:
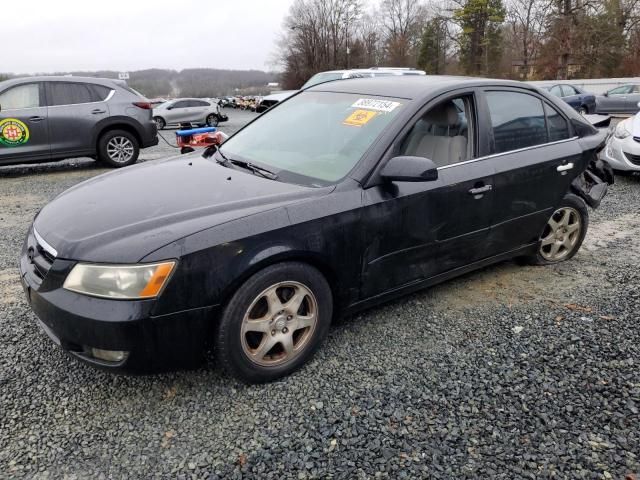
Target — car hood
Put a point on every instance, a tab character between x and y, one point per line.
122	216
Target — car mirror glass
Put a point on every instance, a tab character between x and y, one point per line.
410	169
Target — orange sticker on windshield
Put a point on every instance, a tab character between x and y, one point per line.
359	118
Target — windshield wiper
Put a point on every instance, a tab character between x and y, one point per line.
227	162
263	172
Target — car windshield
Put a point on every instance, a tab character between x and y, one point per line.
322	77
315	138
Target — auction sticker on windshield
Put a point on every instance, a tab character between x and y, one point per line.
375	104
13	132
359	118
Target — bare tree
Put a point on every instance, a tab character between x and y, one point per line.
527	20
403	21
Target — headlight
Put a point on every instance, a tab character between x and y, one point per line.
119	281
621	130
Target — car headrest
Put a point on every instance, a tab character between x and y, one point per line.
443	115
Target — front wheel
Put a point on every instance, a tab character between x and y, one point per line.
212	120
564	232
118	148
583	111
274	322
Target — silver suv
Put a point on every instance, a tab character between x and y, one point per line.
53	118
188	110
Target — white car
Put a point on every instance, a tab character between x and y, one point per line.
623	147
275	98
188	110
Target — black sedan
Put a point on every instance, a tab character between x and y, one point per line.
344	196
581	101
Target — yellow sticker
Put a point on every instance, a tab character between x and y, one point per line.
359	118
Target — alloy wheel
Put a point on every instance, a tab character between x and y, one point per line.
279	323
561	234
120	149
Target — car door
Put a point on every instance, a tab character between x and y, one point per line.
417	230
631	104
535	157
616	100
199	110
74	110
24	134
178	112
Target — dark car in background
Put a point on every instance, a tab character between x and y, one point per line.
623	99
52	118
581	101
347	195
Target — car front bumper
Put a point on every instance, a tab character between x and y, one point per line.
80	323
622	154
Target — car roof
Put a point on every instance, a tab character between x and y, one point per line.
61	78
410	87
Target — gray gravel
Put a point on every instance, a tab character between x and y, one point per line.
510	372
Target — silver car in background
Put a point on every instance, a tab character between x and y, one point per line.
188	110
622	99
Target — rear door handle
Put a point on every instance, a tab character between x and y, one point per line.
481	190
97	111
36	119
565	167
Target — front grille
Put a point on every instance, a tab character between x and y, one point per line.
635	159
39	257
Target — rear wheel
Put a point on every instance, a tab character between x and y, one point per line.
118	148
212	120
274	322
160	122
583	110
564	232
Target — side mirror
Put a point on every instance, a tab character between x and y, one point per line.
606	94
410	169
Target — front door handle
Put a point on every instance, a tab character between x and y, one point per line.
36	119
481	190
565	167
97	111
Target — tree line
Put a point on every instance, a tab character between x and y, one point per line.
521	39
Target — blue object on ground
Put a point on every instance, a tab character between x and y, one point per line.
194	131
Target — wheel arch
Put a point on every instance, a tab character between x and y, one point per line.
310	258
117	124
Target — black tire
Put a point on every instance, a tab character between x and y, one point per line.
231	342
583	110
109	140
160	122
574	206
212	120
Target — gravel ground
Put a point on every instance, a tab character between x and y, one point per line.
510	372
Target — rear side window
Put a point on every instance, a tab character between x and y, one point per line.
558	126
68	93
517	119
99	92
22	96
557	91
569	90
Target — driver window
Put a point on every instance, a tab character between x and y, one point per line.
442	134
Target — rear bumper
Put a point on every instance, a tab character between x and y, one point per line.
150	135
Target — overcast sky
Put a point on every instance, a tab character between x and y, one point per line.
64	35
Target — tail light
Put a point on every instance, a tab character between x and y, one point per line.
144	105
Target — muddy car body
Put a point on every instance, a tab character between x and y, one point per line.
344	196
